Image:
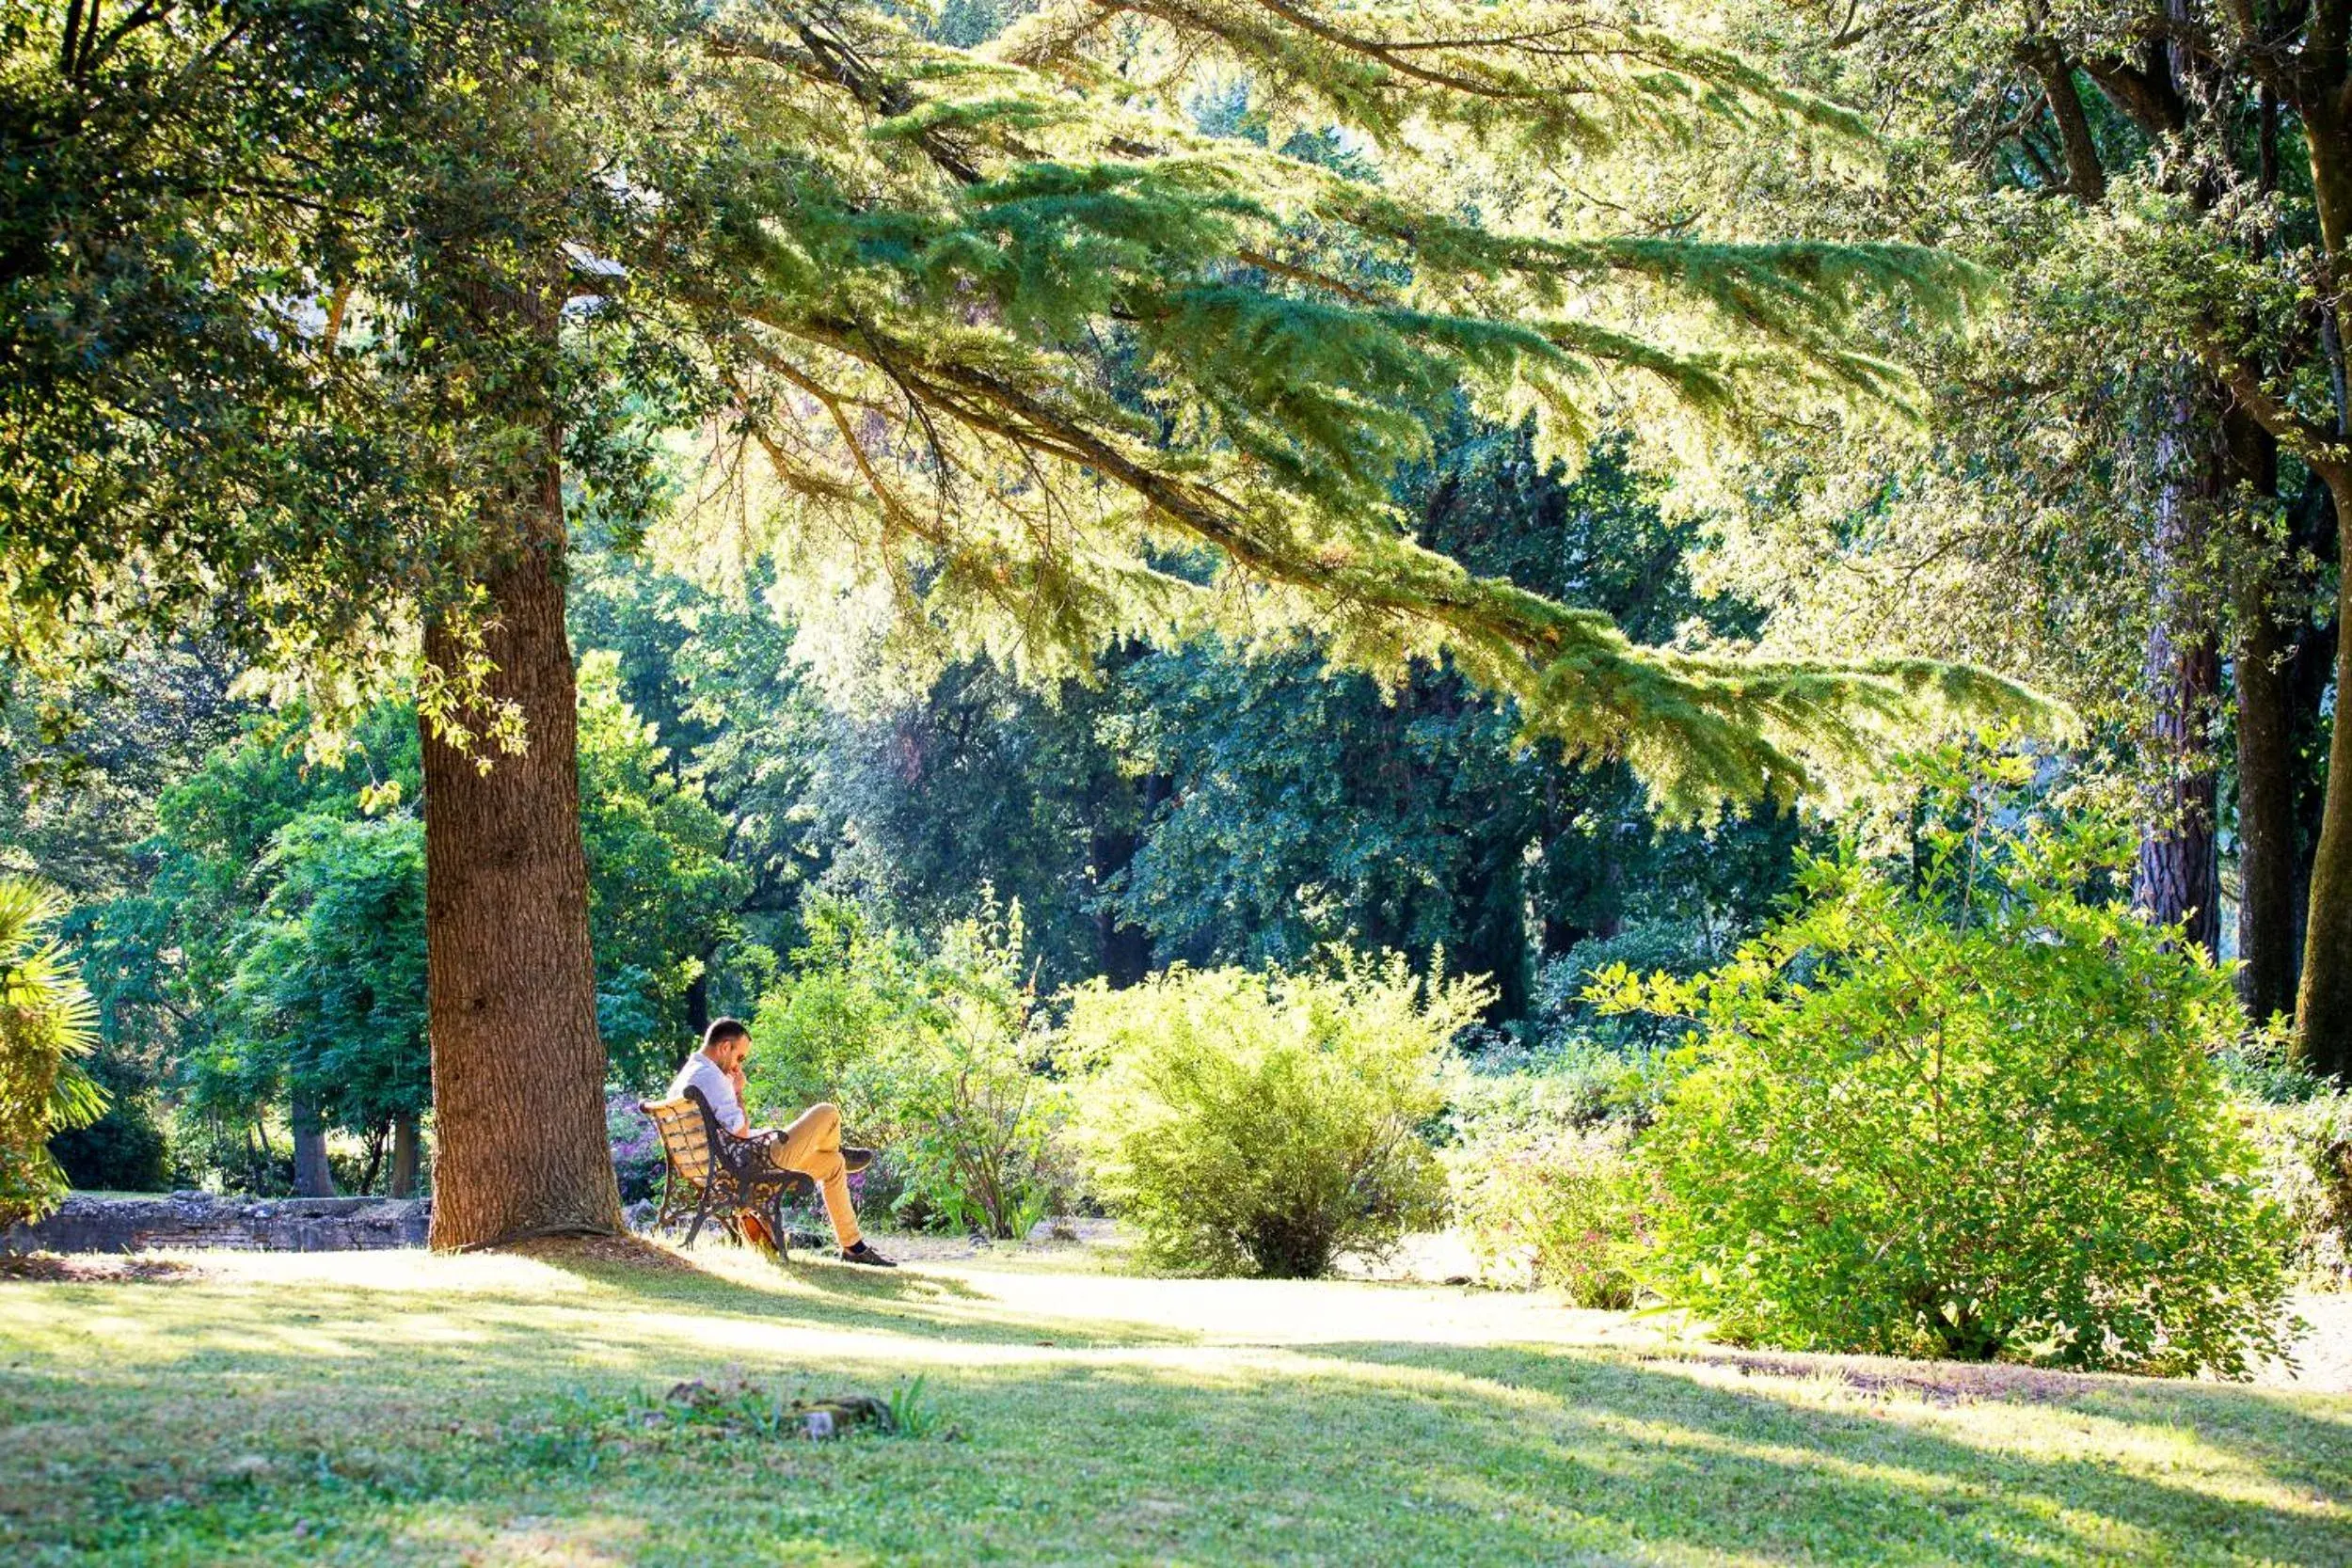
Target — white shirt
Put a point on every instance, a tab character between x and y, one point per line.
701	1073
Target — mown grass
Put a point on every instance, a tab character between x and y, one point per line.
404	1408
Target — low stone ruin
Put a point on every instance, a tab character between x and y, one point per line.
193	1219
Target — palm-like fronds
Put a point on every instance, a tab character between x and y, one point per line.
47	1023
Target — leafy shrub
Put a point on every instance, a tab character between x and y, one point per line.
46	1027
1574	1082
1562	1020
125	1150
1948	1106
1266	1124
932	1053
1556	1208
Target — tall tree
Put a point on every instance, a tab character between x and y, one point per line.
1010	337
2171	210
2301	59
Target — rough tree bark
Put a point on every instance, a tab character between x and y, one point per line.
2178	874
510	982
2178	877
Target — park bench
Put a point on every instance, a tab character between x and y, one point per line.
723	1176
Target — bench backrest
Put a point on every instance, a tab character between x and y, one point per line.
690	1133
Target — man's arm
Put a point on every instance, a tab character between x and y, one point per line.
723	1088
742	1108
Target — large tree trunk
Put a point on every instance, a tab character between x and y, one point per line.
2178	878
313	1177
510	983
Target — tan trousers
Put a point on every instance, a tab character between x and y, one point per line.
811	1146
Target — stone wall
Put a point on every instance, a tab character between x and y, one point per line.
244	1224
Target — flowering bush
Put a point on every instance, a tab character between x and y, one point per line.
637	1158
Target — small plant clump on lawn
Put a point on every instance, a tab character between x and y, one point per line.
574	1432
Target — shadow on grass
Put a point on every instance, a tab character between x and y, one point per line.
1966	1476
845	1295
1385	1449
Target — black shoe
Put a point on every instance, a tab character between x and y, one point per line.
855	1160
866	1255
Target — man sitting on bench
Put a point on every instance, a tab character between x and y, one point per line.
811	1145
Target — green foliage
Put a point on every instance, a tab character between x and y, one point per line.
661	893
1542	1163
712	671
174	416
1558	1208
2307	1164
328	989
947	296
1563	1084
277	939
127	1150
913	1411
45	1026
1948	1106
918	798
1563	1024
1262	1124
931	1052
1221	804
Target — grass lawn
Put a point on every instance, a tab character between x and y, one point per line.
500	1409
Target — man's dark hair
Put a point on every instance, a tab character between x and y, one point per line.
724	1029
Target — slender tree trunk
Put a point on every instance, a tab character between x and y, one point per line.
2178	877
2322	1003
2310	679
311	1175
378	1141
404	1157
510	982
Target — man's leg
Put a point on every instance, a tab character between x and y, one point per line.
811	1146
